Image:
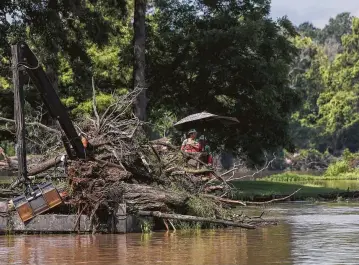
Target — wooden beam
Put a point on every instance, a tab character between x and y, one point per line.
19	113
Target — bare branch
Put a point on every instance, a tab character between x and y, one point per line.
274	200
33	124
235	167
94	103
266	166
195	219
225	200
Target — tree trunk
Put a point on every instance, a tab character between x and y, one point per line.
148	198
41	167
139	63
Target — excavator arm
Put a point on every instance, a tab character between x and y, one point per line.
37	198
57	110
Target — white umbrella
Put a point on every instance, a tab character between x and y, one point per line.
203	119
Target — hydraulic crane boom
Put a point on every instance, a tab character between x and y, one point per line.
37	198
48	94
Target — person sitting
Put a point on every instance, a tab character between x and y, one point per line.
191	145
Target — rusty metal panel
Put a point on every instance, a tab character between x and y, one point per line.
23	208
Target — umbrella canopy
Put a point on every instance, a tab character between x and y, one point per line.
204	119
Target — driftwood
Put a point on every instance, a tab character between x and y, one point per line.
246	203
225	200
191	218
274	200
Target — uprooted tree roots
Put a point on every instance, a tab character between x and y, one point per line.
152	178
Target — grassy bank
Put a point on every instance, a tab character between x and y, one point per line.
297	177
264	190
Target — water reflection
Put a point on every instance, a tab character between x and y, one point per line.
325	234
310	234
262	246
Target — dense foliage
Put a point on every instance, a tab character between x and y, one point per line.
222	56
75	41
228	58
326	74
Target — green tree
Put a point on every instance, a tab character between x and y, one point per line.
307	29
337	27
328	118
74	40
228	58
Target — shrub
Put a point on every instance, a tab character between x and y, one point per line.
347	164
337	168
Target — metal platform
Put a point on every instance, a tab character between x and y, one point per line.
60	223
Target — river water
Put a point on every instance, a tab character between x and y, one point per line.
307	234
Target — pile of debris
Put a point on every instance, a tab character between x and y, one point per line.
153	178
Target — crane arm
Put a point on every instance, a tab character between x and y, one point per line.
57	110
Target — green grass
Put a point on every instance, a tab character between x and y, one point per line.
295	177
250	190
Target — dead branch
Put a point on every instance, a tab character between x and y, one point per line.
220	199
94	103
33	124
110	164
266	166
235	167
41	167
191	218
7	159
274	200
156	142
157	156
213	188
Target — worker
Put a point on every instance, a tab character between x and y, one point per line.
84	142
205	148
191	145
209	155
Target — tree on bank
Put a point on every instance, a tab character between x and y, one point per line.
328	118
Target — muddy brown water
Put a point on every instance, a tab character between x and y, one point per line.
307	234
